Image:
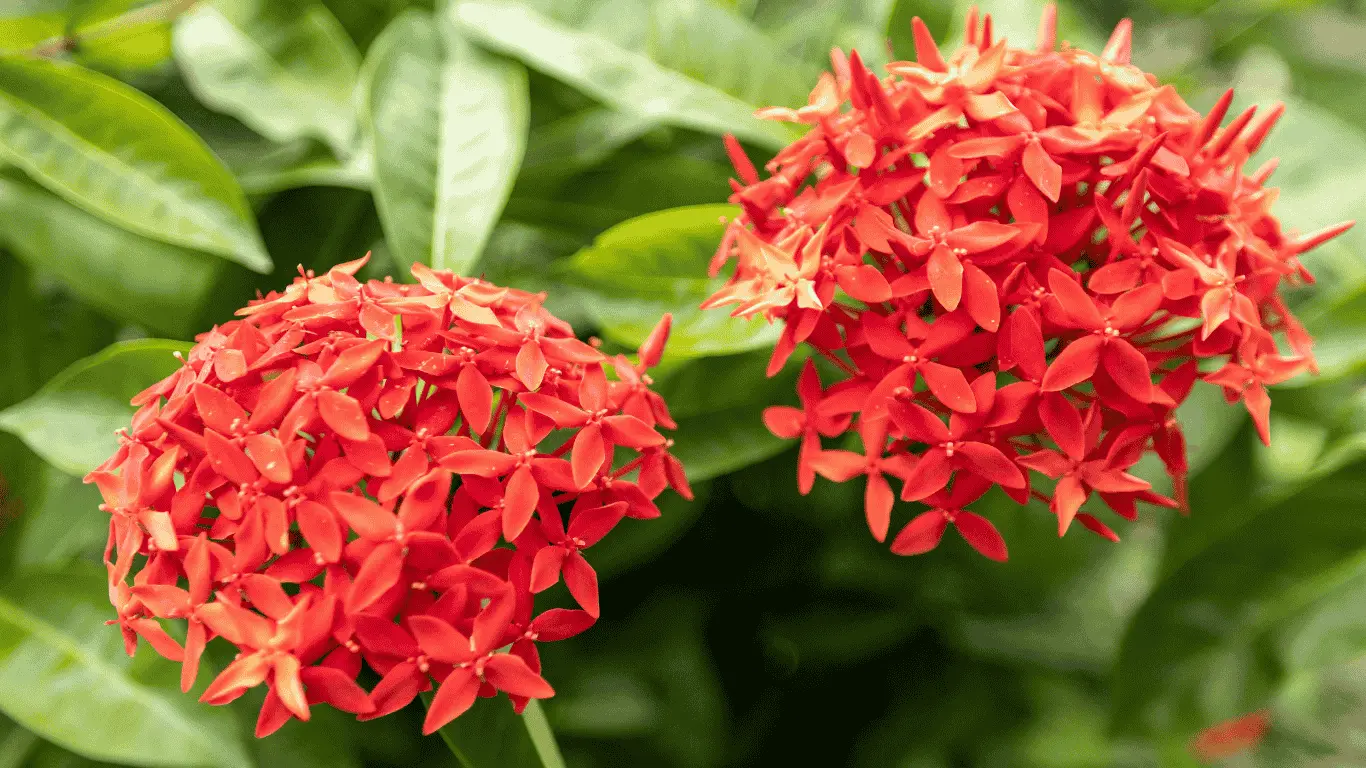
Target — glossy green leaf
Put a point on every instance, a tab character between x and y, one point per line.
449	124
64	675
491	735
140	281
626	186
71	421
713	444
657	263
20	348
686	63
286	69
111	150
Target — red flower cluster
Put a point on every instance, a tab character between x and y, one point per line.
327	481
1018	261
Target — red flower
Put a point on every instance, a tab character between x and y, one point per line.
325	481
1015	263
1231	737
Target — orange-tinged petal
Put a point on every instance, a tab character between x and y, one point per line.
1076	364
1043	170
511	674
945	273
520	501
922	534
877	504
981	534
368	519
453	698
377	575
343	415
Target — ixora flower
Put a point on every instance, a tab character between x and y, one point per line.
379	473
1017	263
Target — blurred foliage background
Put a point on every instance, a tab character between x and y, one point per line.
160	162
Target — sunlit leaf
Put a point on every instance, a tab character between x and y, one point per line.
71	421
448	123
116	153
64	675
686	63
138	280
287	69
657	263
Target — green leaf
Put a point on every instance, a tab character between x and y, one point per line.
657	263
140	281
18	747
64	524
647	675
301	164
718	403
286	69
577	142
41	330
131	48
1018	22
686	63
634	543
1319	719
64	675
627	186
31	23
1203	647
720	442
26	23
325	741
810	30
118	154
1316	188
20	348
107	37
71	421
449	125
491	735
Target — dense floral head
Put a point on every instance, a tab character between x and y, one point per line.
1018	263
381	473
